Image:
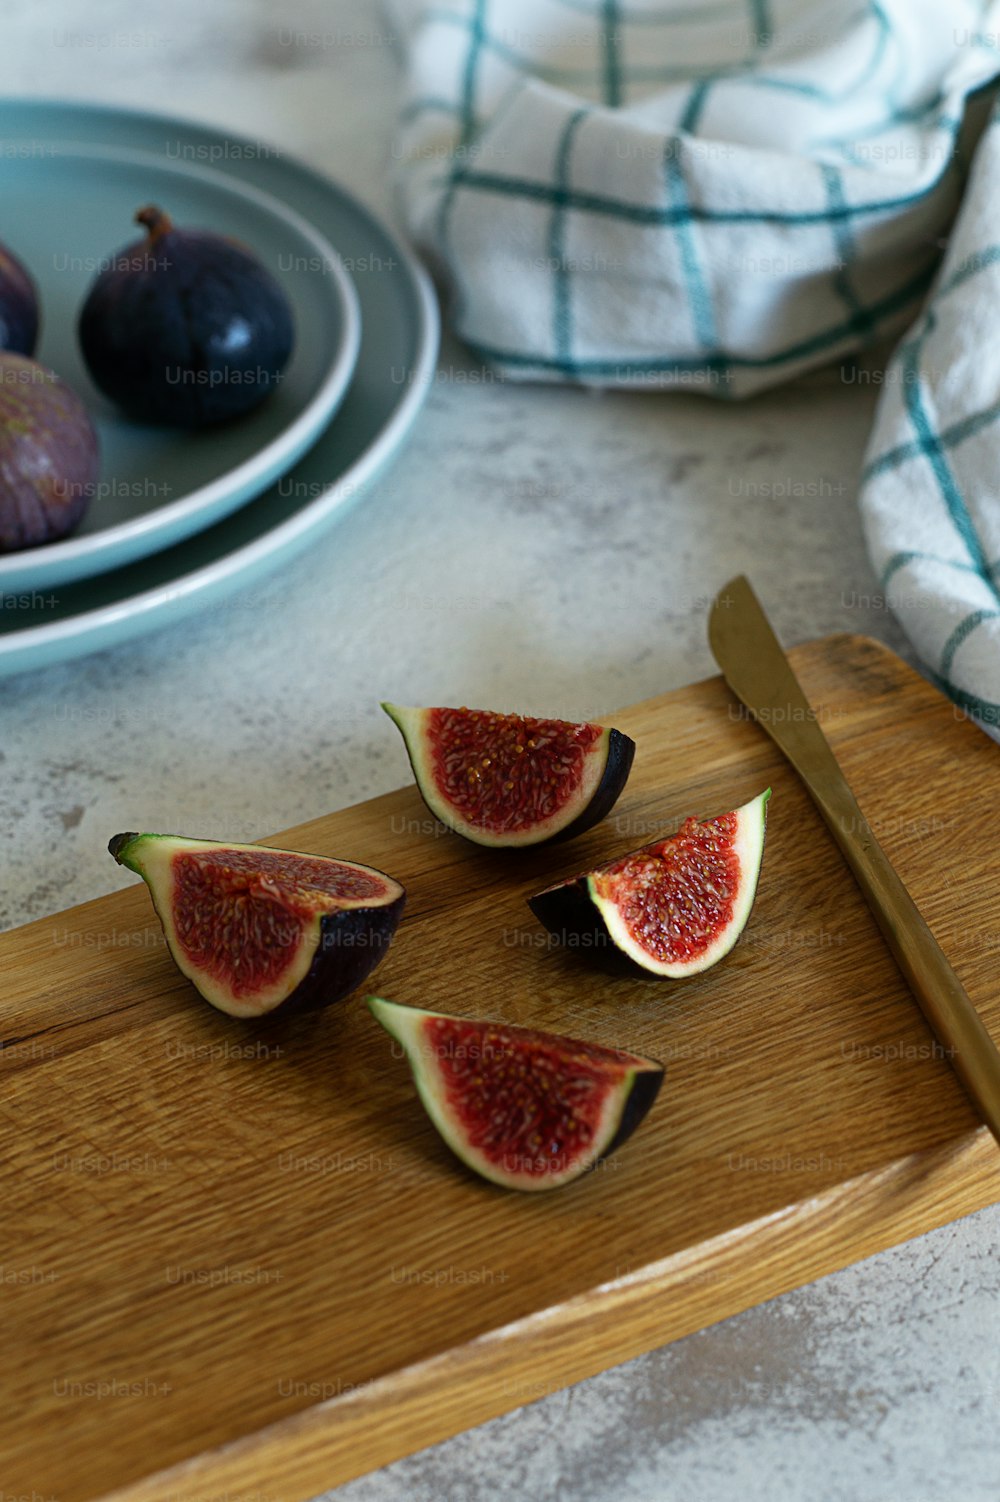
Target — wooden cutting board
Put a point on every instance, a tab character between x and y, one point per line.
240	1262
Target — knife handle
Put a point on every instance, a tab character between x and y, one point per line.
943	999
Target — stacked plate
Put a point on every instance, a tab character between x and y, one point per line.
182	518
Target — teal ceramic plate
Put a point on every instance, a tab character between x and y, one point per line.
66	214
395	366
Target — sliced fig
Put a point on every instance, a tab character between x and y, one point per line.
674	907
525	1109
256	928
510	779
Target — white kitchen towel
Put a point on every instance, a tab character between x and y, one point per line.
716	195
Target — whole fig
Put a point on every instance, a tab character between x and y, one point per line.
186	327
48	455
18	305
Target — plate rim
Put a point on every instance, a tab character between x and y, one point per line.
21	650
53	563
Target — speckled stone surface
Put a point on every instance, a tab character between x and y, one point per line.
533	547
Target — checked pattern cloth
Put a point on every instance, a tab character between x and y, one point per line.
718	195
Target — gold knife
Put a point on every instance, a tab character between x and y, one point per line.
758	672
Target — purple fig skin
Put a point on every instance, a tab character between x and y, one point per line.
18	306
49	458
351	945
568	913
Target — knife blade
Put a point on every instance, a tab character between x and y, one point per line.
754	665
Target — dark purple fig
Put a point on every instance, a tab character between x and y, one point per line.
49	459
186	327
18	306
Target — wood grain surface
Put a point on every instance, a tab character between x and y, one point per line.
237	1261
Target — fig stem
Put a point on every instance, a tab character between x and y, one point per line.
155	220
118	842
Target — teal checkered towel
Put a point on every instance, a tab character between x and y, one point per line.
716	195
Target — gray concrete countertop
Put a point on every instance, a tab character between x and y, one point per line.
535	546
